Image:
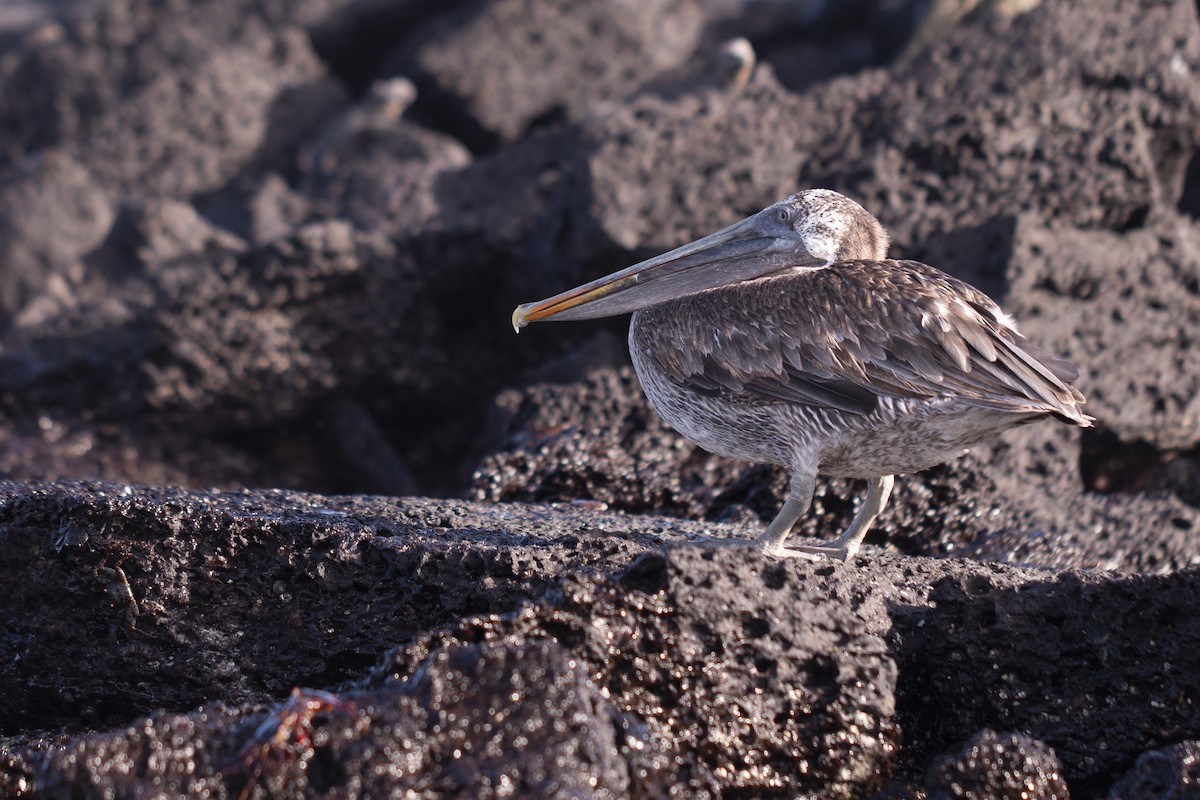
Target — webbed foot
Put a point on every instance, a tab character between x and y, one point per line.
815	552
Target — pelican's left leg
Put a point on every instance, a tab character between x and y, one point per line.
771	540
846	546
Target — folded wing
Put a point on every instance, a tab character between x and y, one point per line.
843	336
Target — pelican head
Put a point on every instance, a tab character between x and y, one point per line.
809	230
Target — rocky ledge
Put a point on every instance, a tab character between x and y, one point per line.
472	649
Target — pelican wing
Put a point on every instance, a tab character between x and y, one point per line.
848	334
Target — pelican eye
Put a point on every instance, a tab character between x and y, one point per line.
785	214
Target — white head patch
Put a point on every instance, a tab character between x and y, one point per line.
825	219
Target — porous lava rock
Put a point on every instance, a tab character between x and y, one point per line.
1126	307
1171	773
503	66
478	721
459	629
996	766
162	615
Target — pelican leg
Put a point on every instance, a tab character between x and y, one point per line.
846	546
771	540
799	498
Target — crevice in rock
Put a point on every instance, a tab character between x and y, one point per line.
1189	197
377	42
355	44
1134	219
1112	466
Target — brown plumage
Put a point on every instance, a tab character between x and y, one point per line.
791	338
844	335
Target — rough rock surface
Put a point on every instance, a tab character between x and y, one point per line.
179	550
567	58
1168	774
411	738
999	766
1074	289
655	662
275	244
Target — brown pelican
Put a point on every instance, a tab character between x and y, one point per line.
791	338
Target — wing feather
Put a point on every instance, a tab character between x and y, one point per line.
843	336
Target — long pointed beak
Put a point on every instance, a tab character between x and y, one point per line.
743	250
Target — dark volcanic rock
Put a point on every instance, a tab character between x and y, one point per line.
238	596
52	212
503	66
932	146
223	338
128	54
1172	773
650	664
377	169
1079	123
994	766
1127	309
549	730
216	334
1127	532
677	637
1050	656
265	96
625	457
478	721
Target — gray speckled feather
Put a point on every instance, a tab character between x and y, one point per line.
844	335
